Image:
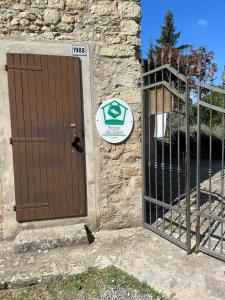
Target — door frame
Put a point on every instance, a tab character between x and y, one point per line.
10	225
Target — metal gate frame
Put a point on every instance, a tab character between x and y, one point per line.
148	85
212	219
151	80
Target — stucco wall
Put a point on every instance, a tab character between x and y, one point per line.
1	201
111	29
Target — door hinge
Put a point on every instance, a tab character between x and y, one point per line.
6	68
14	207
11	141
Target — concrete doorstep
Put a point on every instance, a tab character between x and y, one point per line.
45	239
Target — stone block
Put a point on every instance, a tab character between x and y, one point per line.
133	40
25	2
6	14
34	28
130	27
131	158
102	8
131	171
76	5
27	15
38	3
38	22
63	27
19	7
58	4
51	16
15	21
24	22
45	28
4	31
113	39
49	238
129	9
118	50
68	19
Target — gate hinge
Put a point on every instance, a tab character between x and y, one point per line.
14	207
6	68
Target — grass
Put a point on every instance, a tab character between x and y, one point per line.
89	283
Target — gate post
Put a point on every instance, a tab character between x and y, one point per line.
187	167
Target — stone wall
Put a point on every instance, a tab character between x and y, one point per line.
111	28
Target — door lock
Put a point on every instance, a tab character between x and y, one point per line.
76	144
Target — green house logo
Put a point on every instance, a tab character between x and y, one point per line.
114	113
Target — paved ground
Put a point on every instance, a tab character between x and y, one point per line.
136	251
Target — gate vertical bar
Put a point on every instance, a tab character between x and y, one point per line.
210	167
170	163
156	145
143	156
178	151
187	177
198	166
163	149
149	135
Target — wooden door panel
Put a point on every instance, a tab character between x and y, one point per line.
45	99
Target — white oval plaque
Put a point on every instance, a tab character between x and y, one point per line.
114	120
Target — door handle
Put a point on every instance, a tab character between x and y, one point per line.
76	144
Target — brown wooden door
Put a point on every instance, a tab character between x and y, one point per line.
46	118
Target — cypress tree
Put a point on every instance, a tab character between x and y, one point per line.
169	36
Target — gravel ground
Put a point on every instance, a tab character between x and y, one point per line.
118	293
123	294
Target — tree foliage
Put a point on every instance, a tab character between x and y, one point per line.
214	98
193	62
169	36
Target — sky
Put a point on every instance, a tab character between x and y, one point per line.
201	22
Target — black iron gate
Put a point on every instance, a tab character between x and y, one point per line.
210	228
182	199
